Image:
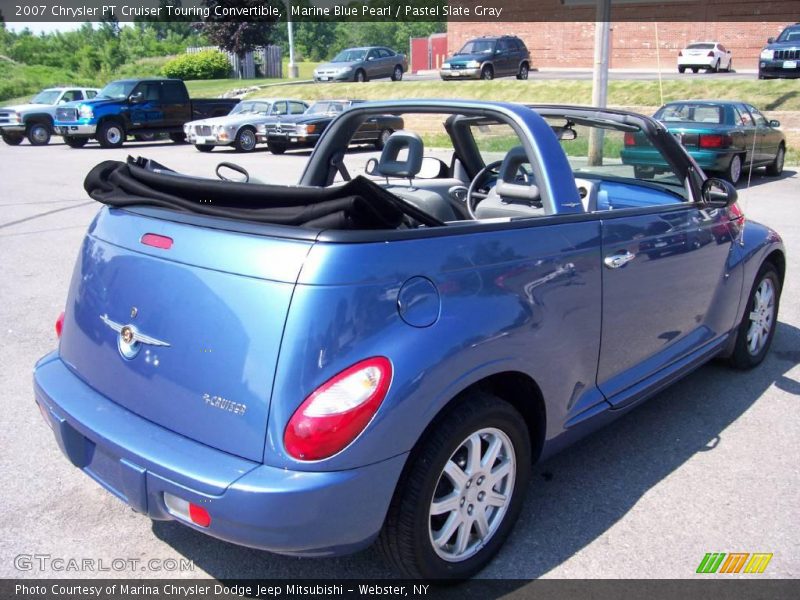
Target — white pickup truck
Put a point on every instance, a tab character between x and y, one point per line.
35	119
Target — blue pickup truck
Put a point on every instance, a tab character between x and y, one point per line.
382	352
138	107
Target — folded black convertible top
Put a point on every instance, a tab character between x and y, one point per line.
358	204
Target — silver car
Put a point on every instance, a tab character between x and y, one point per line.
363	64
238	128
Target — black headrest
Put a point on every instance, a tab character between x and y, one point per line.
390	166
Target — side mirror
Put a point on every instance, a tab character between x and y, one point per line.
718	193
136	98
774	123
771	40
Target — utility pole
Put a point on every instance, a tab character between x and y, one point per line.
602	28
294	72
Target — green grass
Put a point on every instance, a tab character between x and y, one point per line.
20	82
768	95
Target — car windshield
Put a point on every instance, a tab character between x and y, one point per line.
326	108
117	90
700	47
46	97
350	56
790	35
691	113
261	108
478	47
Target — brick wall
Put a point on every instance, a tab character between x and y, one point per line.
568	39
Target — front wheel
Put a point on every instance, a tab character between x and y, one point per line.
245	140
695	69
775	168
360	76
397	74
276	148
755	333
12	140
75	142
111	135
38	134
204	147
178	138
730	66
461	492
487	74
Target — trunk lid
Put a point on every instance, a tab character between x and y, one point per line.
186	336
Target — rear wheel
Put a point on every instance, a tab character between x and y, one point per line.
397	74
523	71
461	492
276	148
12	140
38	134
755	333
204	147
487	73
776	167
111	135
734	171
730	66
383	138
644	172
75	142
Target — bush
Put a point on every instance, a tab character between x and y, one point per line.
207	64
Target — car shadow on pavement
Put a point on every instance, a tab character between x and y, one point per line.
760	178
573	498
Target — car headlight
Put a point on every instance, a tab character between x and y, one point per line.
445	65
345	69
15	117
473	64
767	54
261	128
303	130
85	112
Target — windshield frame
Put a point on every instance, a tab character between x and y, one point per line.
123	84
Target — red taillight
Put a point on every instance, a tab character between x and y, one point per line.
187	511
338	411
630	138
680	52
157	241
199	515
60	324
710	55
714	140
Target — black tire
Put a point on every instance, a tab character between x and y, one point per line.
730	66
743	357
397	74
734	171
204	147
75	142
246	140
715	68
524	71
360	76
405	540
145	137
487	73
12	140
178	138
38	134
383	138
775	168
276	148
681	69
111	134
695	69
643	173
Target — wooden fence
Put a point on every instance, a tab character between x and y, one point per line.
262	62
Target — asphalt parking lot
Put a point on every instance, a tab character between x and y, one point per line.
709	465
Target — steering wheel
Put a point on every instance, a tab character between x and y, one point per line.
474	196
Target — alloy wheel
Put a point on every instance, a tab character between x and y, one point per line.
472	495
762	316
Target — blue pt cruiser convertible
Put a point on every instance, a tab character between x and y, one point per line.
382	351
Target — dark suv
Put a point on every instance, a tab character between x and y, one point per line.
487	58
781	57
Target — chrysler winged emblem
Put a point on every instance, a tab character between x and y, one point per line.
130	339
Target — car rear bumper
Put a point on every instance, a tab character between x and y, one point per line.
697	61
75	130
289	512
708	160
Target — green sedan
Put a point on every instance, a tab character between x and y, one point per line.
723	137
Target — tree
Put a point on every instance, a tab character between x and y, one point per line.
240	37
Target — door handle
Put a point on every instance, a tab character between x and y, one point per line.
615	261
